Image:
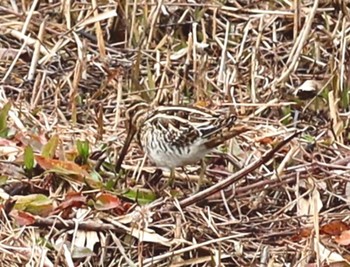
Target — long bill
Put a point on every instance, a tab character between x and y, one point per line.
125	148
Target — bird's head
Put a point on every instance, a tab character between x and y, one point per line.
135	114
136	111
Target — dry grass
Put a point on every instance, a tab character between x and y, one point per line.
67	66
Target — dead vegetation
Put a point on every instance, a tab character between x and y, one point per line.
67	66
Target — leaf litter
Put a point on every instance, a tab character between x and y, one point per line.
65	70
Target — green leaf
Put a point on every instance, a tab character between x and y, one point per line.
309	138
28	158
48	151
3	119
81	252
110	184
83	150
37	204
286	111
4	132
140	195
3	179
94	180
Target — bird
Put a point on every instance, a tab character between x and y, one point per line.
176	135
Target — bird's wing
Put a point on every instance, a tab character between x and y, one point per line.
183	125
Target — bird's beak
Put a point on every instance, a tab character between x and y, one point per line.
131	133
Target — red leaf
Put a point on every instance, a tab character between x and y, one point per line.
63	167
266	140
334	228
105	201
303	233
73	199
22	217
344	238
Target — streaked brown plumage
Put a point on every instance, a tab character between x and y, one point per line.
175	136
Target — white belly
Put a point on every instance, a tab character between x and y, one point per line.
172	158
166	155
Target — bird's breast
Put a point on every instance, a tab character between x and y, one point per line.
165	153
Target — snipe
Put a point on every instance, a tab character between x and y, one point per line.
176	136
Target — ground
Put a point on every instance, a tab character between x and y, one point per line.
67	68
